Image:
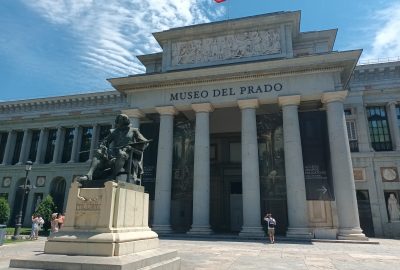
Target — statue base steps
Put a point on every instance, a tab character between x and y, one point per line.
105	228
149	259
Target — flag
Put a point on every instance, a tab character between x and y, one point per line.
219	1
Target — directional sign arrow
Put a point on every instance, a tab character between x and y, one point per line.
323	189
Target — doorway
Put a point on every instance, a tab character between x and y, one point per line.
226	204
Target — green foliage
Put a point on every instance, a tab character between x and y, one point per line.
4	211
45	209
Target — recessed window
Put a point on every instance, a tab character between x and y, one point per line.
379	128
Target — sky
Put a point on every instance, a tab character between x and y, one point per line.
63	47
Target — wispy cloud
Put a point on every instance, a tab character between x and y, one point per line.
386	37
111	33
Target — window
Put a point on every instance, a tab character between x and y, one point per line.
379	128
87	135
34	145
51	143
17	148
3	142
352	135
67	146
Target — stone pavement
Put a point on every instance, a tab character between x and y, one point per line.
202	254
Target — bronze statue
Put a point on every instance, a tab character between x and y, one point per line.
120	152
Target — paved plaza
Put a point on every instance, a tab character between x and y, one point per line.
234	254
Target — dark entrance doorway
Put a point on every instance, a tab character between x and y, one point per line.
364	211
57	192
226	213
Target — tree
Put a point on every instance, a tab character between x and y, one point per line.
4	211
45	209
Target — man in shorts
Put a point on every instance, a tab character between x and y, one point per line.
271	223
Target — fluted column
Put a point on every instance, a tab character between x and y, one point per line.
201	177
57	146
7	150
250	170
40	147
94	141
364	144
24	146
393	125
75	142
294	170
162	200
342	168
134	116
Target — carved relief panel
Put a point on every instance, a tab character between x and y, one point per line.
234	46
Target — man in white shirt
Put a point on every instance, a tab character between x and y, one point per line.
271	223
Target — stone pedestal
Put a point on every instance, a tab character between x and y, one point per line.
109	222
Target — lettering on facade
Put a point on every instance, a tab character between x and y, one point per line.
223	92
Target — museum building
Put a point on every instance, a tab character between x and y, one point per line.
246	116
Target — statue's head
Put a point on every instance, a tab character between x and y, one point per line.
122	120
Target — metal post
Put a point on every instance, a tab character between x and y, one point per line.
25	188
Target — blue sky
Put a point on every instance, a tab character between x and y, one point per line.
62	47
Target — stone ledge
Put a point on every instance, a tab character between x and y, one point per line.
150	259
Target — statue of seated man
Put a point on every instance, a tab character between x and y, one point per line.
113	155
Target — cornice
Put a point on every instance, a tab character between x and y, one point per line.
74	104
342	62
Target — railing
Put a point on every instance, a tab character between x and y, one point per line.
378	60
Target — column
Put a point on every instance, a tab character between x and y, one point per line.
94	141
134	116
342	168
7	150
201	177
24	146
40	150
393	125
58	145
250	170
364	144
294	169
74	151
162	200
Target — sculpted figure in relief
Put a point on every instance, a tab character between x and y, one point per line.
393	208
247	44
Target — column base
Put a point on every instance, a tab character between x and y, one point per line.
199	229
252	232
352	234
162	229
299	233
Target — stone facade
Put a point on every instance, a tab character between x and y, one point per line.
233	133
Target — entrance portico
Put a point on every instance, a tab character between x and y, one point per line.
267	88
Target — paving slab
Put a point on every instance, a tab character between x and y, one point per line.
232	254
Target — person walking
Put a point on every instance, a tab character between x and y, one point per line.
271	223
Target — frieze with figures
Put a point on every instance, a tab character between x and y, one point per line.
247	44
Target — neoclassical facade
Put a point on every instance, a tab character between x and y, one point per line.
247	116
